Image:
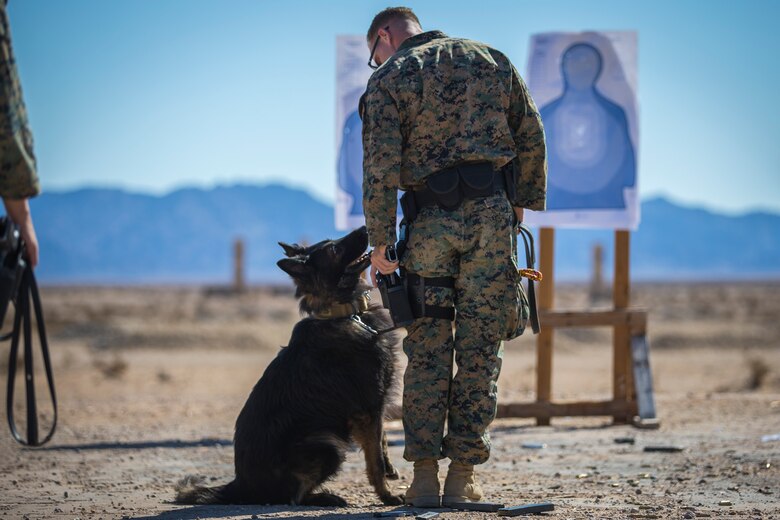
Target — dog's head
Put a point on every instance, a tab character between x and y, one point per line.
329	271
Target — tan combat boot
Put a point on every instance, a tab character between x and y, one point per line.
460	485
424	491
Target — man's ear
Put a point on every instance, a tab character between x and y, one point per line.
295	267
292	250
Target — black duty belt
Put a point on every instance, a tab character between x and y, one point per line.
448	188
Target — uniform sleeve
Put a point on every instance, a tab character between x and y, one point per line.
18	179
531	161
381	164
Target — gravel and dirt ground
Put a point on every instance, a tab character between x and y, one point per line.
150	381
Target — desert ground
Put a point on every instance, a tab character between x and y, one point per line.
151	379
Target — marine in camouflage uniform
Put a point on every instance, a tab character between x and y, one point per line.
436	103
18	178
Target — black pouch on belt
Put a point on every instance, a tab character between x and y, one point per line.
477	180
444	186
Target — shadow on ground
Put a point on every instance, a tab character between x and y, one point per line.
204	512
140	445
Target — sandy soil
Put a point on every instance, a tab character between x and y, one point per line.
150	381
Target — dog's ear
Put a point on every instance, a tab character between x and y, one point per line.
295	267
292	250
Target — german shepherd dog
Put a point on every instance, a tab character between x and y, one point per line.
329	386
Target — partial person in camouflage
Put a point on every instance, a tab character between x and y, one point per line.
435	103
18	177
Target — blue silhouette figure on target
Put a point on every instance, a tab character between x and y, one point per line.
590	155
350	162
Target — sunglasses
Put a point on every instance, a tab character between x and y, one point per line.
371	63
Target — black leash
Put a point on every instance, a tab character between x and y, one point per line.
530	259
23	325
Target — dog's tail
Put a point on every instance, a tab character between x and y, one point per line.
190	490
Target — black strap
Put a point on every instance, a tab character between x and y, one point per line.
23	325
420	309
447	282
530	259
438	312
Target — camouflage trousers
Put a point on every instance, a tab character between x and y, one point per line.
476	244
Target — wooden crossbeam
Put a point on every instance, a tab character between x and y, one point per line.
624	321
566	409
634	319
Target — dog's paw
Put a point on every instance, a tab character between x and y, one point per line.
324	498
392	473
393	500
339	502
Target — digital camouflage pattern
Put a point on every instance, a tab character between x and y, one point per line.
436	103
476	244
441	101
18	179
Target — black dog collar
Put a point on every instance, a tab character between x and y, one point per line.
344	310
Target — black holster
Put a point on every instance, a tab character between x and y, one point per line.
395	299
11	264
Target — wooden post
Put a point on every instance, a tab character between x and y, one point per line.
621	340
239	284
544	341
597	276
628	325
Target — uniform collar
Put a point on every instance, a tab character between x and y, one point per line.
420	39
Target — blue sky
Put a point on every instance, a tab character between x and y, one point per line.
151	95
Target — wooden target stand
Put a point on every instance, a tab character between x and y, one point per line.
632	395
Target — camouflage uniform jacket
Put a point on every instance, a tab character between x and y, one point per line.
441	101
18	179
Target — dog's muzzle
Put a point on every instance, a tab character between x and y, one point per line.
359	264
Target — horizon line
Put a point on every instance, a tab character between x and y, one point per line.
331	202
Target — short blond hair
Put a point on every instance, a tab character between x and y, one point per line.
383	17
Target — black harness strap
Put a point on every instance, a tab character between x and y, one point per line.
420	309
530	259
23	325
438	312
437	281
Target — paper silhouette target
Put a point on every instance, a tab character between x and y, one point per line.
352	74
585	86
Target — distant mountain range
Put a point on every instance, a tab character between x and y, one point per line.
113	236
